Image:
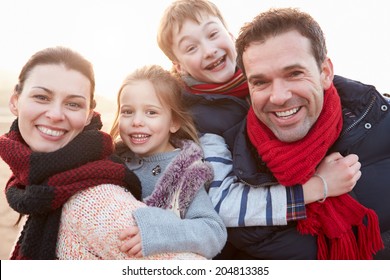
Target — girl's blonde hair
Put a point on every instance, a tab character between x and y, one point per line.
169	90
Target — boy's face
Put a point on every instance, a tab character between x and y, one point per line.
205	51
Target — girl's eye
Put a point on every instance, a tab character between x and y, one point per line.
126	112
151	113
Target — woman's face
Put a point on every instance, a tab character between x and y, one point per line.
53	107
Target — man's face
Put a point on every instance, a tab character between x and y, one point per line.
286	85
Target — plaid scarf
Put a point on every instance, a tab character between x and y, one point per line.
295	163
42	182
237	86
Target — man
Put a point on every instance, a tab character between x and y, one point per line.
297	117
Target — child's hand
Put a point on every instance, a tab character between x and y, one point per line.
340	173
131	242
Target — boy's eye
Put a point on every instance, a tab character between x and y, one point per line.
190	49
213	34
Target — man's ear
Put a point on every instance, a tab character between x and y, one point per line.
327	73
13	103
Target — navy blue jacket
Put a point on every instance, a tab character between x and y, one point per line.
366	132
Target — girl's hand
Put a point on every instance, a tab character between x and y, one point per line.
131	242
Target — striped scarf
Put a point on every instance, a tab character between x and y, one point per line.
237	87
42	182
294	163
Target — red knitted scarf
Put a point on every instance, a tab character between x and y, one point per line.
295	163
237	87
42	182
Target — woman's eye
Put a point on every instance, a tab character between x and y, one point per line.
74	105
40	97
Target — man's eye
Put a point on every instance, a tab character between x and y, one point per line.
295	73
258	83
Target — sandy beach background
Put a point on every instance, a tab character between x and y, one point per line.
8	231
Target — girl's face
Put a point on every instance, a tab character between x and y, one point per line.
145	124
205	51
53	108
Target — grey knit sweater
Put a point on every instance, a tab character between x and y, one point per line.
197	228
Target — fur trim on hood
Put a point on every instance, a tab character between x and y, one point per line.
182	179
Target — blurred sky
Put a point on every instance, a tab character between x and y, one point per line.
120	35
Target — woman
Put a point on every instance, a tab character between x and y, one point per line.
78	197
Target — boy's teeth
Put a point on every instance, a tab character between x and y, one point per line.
216	63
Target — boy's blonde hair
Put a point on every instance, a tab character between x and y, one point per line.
175	16
169	91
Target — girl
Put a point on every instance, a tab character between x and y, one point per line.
64	176
158	141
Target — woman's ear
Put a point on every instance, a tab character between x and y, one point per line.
90	115
13	104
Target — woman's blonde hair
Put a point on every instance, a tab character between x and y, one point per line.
169	90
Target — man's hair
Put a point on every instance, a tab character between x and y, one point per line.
174	17
278	21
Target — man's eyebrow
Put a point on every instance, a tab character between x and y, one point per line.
293	66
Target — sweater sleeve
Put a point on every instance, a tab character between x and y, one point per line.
92	220
201	231
239	204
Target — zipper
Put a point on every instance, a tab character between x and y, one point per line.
370	105
268	184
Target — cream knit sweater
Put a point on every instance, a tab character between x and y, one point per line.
92	220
